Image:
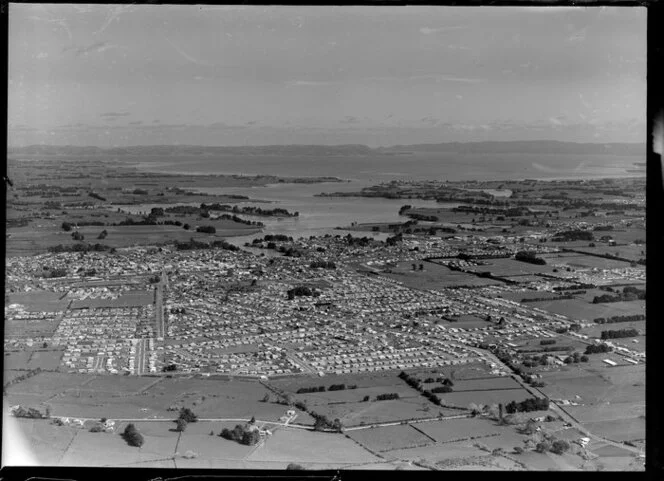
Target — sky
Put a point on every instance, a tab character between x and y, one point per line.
110	75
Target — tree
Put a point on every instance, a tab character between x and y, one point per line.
102	234
294	467
266	398
188	415
518	450
366	398
252	420
132	436
543	446
180	425
560	446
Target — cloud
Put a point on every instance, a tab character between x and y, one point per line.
252	122
186	55
96	47
114	114
308	83
448	78
41	55
431	31
349	119
430	120
136	122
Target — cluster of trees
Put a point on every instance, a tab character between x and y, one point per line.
530	257
573	235
250	210
559	446
576	358
387	397
132	436
614	319
323	265
139	192
404	208
416	384
274	238
559	298
546	342
240	220
169	367
323	423
32	413
194	244
629	293
617	334
102	234
333	387
301	291
599	228
442	389
393	240
530	404
79	248
77	236
94	195
206	229
598	348
48	273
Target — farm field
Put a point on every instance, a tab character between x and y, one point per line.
33	240
34	442
435	453
370	380
356	395
435	276
619	429
511	267
581	262
355	414
121	385
299	446
459	429
503	382
49	383
596	330
576	309
15	328
390	437
48	360
39	301
125	300
504	396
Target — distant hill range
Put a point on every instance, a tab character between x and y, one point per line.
525	147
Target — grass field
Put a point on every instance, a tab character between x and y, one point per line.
619	430
577	309
390	437
355	414
298	446
458	429
435	276
463	399
33	240
39	301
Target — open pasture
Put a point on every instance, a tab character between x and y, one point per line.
580	310
300	446
390	437
49	383
356	395
510	267
435	276
619	430
504	396
39	301
458	429
362	380
34	442
360	413
121	385
491	383
47	360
